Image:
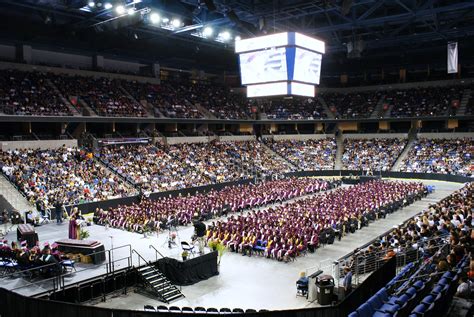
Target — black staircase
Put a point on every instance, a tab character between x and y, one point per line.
158	285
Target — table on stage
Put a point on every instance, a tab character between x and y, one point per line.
190	271
27	232
86	247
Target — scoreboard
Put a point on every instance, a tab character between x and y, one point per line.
280	64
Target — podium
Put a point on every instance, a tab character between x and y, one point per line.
27	232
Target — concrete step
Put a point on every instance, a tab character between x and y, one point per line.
13	196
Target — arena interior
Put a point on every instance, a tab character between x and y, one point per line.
253	158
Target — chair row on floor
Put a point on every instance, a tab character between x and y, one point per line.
428	296
9	266
201	310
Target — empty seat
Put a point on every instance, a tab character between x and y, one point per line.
237	310
365	310
250	310
212	310
162	309
187	310
419	309
149	308
199	309
354	314
175	309
225	310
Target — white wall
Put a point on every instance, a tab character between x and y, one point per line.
446	135
298	137
237	138
190	139
376	136
7	52
58	70
40	144
63	59
114	65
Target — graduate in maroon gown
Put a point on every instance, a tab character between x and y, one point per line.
73	225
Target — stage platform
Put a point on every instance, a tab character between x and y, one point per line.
243	282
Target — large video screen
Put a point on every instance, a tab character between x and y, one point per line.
307	66
263	66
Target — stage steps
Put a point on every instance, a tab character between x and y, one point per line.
159	285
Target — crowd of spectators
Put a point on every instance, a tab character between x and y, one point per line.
160	168
172	100
444	156
371	154
28	93
448	221
105	96
294	108
308	154
67	175
153	215
419	102
286	230
352	105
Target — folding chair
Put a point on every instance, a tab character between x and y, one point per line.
187	247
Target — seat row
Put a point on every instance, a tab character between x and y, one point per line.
201	310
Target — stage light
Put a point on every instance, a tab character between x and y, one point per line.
176	23
108	6
225	36
238	38
91	4
166	20
120	9
207	31
154	18
131	11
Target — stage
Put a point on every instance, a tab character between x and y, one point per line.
243	282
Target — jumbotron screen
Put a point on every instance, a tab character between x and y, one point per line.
270	63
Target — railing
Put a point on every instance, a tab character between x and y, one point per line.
156	252
58	280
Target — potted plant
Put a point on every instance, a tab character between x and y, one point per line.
212	245
221	249
184	255
83	234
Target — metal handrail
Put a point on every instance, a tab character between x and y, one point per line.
156	252
140	257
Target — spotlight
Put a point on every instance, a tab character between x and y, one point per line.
176	23
225	36
154	18
91	4
131	11
108	6
207	31
238	38
166	20
120	9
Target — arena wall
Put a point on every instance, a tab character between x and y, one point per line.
39	144
446	135
298	137
376	136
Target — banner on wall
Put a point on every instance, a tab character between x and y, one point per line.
452	57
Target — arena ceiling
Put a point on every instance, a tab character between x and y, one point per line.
352	29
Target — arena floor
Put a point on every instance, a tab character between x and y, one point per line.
243	282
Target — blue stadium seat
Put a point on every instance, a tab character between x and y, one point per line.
353	314
419	285
448	275
365	310
389	308
419	310
443	281
411	291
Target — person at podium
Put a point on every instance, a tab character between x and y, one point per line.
73	225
